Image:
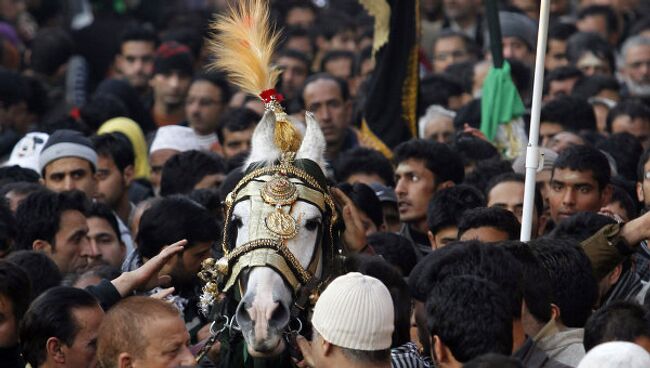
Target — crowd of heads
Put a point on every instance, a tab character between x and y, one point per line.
117	140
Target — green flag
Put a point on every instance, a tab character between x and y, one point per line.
500	101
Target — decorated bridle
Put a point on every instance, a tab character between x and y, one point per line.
274	191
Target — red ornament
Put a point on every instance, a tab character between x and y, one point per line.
271	95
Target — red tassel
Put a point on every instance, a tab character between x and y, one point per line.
271	95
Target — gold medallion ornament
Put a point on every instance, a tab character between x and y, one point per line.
279	191
281	224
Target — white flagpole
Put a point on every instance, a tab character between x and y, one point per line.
532	150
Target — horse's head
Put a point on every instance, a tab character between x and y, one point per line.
278	236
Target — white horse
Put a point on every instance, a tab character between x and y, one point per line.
270	269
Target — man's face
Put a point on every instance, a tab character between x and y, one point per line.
548	130
391	216
135	62
210	181
515	48
591	64
643	188
344	40
440	129
8	325
107	242
365	178
323	98
157	160
171	88
112	184
556	55
81	353
572	192
415	186
294	74
302	44
167	342
459	9
485	234
70	173
184	267
530	7
300	17
563	140
443	237
558	88
72	251
637	66
447	51
509	195
236	142
203	107
639	127
340	68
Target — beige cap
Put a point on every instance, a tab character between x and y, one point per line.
355	312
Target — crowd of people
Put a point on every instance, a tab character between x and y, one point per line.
119	146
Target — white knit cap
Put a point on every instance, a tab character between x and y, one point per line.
355	312
616	354
175	137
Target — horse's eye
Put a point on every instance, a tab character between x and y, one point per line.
236	221
313	224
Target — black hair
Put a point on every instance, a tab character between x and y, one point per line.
495	217
364	54
117	146
218	80
365	199
591	86
518	178
394	248
470	258
101	271
103	211
582	42
493	360
343	86
575	290
485	170
448	205
470	316
290	32
100	108
464	72
619	321
469	114
138	32
333	22
295	54
601	10
208	198
470	45
186	169
20	187
626	150
39	215
472	148
572	113
585	158
237	120
297	4
16	174
13	88
537	289
379	268
437	89
161	225
51	48
15	286
364	160
633	108
41	270
7	227
580	226
51	315
445	164
641	25
335	55
521	75
188	36
561	31
560	74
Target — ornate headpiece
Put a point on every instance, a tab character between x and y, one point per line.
243	46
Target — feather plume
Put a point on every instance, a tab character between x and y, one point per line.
243	43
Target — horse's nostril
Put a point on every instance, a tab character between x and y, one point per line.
243	318
279	317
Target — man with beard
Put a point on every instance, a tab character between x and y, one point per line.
207	100
635	70
159	226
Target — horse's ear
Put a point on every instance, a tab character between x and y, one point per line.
263	148
313	144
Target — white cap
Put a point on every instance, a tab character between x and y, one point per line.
616	354
175	137
355	312
27	151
